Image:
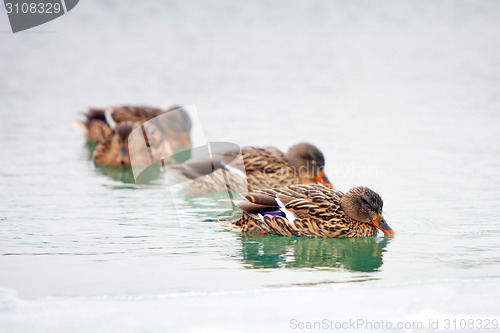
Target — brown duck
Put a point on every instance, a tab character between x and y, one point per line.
312	211
168	132
265	167
174	123
116	147
176	126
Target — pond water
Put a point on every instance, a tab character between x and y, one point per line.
400	97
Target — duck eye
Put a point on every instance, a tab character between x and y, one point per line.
364	201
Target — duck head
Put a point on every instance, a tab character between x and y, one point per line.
364	205
309	164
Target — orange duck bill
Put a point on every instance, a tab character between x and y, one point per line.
323	179
381	225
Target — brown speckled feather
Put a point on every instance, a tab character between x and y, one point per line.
164	134
178	122
97	131
95	126
135	113
267	168
264	167
316	212
108	151
95	123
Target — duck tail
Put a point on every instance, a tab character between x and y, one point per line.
227	225
81	126
95	114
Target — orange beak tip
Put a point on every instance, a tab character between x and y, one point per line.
382	225
322	179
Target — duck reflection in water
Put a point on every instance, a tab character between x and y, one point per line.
124	175
353	254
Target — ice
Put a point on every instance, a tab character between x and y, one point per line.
265	310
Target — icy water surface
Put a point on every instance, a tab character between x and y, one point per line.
400	97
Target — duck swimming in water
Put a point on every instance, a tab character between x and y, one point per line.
116	148
168	131
312	211
268	167
264	168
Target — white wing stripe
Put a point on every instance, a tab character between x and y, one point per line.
288	214
108	115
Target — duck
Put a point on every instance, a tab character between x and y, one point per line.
174	122
109	128
117	146
97	120
256	168
312	211
268	167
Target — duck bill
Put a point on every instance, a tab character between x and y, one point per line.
381	225
124	157
323	179
124	152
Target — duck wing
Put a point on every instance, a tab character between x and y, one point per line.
267	168
254	203
135	113
265	159
302	210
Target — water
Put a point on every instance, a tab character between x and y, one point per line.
400	97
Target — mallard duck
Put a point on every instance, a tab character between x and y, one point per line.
109	129
175	122
265	167
268	167
116	147
312	211
97	119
